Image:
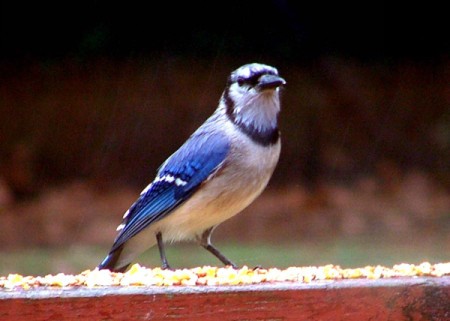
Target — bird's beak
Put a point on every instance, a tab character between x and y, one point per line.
270	82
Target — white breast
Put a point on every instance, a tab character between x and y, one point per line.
242	178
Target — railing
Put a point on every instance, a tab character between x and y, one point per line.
400	298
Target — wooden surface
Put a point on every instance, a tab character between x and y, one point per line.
411	299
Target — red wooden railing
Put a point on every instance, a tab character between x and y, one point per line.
401	298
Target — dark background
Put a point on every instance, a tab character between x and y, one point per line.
377	45
287	30
95	95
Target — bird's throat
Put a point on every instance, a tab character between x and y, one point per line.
260	130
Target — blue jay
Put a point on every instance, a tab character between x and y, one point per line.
224	165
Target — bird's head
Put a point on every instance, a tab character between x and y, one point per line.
251	96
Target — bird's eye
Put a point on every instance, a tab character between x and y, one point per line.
253	81
241	81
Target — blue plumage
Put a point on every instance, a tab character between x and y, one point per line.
177	179
219	171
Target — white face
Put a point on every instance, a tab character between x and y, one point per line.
254	89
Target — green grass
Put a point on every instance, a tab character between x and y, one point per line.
347	253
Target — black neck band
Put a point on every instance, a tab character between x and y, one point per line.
264	137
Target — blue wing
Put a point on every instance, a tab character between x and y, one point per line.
178	178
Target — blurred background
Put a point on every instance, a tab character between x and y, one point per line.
95	95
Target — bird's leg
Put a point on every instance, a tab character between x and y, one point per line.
162	253
205	241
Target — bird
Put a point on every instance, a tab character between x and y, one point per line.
221	169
